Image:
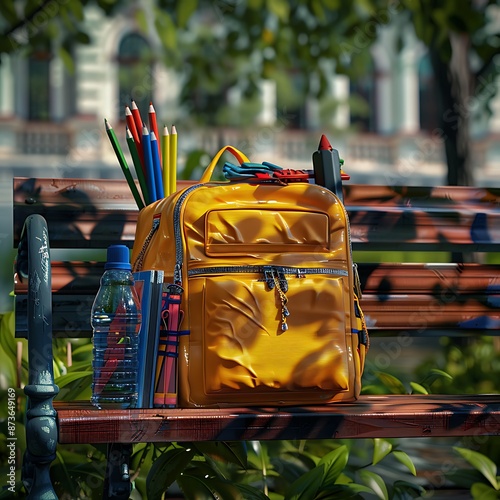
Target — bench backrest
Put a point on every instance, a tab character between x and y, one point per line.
421	298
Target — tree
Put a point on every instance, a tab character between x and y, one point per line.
221	43
462	46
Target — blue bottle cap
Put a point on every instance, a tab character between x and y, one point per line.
118	258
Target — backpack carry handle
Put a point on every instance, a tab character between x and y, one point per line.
207	175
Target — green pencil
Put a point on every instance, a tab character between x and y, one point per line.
123	164
138	166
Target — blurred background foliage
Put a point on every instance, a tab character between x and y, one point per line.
226	44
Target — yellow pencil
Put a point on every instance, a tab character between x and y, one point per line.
165	158
173	159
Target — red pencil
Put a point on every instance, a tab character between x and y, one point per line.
137	115
153	126
135	134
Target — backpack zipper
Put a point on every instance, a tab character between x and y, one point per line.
179	257
274	277
299	272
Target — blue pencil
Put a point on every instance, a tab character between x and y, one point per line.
148	164
156	165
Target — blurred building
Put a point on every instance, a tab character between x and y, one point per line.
51	120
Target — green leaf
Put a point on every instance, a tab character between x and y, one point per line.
140	456
67	59
381	448
481	491
8	353
166	469
418	389
64	380
234	452
405	460
195	487
391	382
222	488
406	488
306	486
250	493
8	12
280	8
166	29
343	491
185	9
334	463
375	482
76	9
435	374
482	463
66	479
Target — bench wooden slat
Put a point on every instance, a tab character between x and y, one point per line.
423	316
381	279
370	416
451	299
85	213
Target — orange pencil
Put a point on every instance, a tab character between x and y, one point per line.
153	126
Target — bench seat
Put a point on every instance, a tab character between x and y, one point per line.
369	417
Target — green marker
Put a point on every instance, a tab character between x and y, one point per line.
132	147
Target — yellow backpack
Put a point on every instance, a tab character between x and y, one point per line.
261	294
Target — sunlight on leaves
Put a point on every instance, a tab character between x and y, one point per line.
482	463
405	460
381	448
375	482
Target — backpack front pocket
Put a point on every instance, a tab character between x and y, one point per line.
272	331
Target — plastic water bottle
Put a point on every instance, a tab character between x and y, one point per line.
116	321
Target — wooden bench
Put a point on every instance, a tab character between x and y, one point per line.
401	301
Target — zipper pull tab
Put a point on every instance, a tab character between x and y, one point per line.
282	287
282	280
269	276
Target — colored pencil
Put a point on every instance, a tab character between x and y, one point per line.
156	166
165	143
123	163
137	117
148	164
135	134
138	165
173	160
153	127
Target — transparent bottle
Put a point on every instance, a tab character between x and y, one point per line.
116	321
